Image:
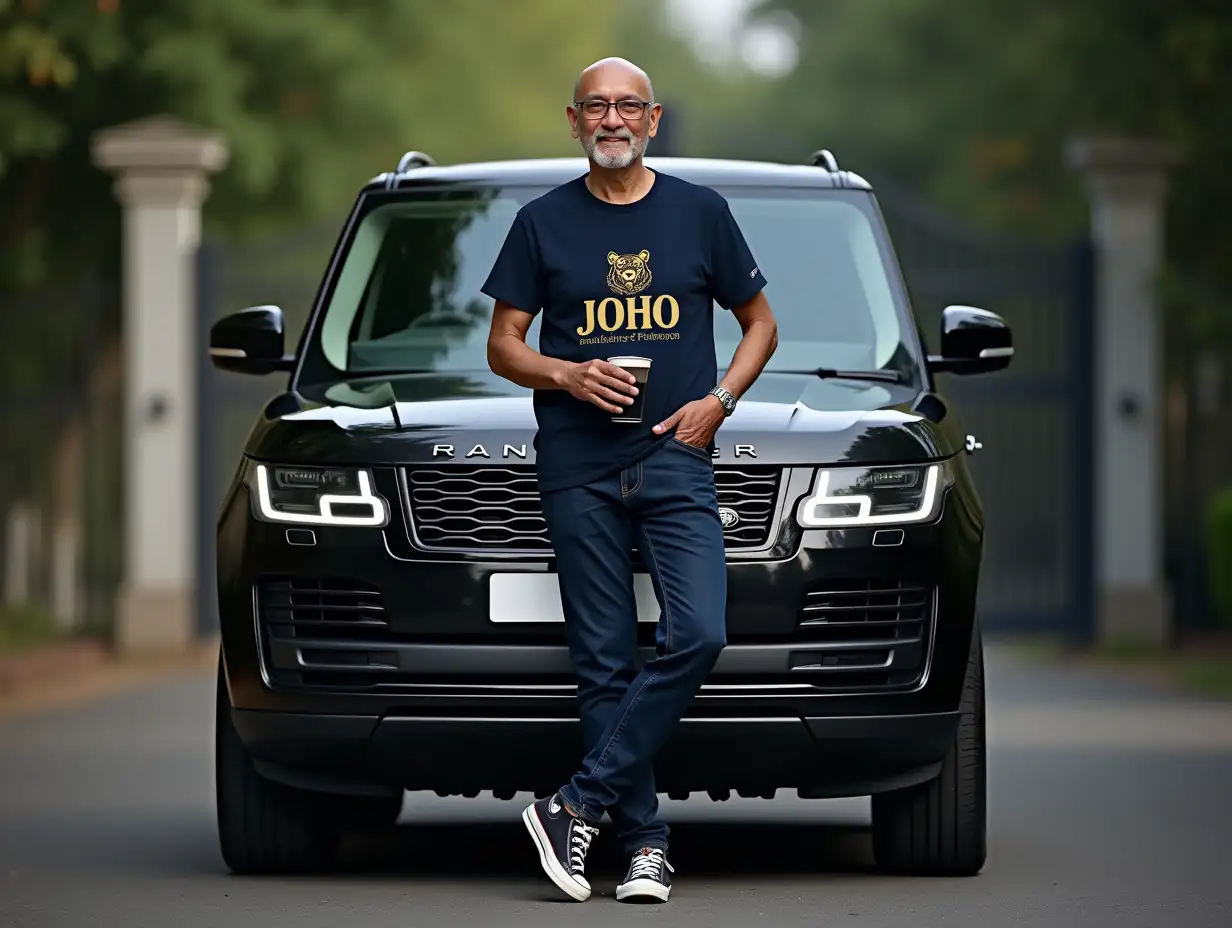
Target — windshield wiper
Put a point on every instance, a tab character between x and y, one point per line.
829	373
378	372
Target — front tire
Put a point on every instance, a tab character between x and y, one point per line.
939	828
265	827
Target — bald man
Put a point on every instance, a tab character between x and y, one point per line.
626	261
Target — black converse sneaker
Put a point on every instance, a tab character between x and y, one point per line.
648	878
563	841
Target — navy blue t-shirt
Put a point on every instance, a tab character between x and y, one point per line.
622	279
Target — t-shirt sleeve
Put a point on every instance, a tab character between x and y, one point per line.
517	274
735	277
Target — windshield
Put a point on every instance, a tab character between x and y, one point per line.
408	295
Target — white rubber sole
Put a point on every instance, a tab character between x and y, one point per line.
642	891
551	866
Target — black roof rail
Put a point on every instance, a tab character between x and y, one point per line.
415	159
823	157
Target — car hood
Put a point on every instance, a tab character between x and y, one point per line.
480	418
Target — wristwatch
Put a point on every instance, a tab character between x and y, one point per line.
726	398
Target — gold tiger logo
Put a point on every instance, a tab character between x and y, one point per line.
628	274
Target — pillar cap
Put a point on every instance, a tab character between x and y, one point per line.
161	144
1123	154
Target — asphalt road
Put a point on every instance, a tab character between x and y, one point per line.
1111	804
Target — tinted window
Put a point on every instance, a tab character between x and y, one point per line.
824	260
408	298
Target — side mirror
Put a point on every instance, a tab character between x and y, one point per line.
250	342
973	341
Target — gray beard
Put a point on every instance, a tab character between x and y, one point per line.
612	162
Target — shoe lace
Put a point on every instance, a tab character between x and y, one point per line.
647	864
579	843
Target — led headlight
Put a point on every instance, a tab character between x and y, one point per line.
317	496
849	497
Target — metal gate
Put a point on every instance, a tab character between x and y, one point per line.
61	482
1034	420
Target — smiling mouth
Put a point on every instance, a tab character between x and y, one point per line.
612	138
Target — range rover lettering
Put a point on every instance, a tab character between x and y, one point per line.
388	604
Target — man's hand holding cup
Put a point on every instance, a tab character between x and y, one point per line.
602	383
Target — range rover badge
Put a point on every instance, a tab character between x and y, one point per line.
729	517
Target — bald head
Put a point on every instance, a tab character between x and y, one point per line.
613	72
613	112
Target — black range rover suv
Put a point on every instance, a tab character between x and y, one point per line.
389	613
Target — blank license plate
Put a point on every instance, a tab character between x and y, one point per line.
535	598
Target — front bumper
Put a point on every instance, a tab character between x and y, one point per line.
474	706
465	755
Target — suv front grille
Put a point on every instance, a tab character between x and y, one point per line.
750	492
489	508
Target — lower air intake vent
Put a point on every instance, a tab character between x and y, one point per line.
301	617
317	608
881	632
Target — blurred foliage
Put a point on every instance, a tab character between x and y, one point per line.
1219	554
26	626
314	97
699	103
971	102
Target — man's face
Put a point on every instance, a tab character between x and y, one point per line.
620	135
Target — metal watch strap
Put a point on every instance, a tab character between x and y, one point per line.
726	398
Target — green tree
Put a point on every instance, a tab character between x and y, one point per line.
313	97
700	103
972	102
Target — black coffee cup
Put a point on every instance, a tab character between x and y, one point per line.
640	369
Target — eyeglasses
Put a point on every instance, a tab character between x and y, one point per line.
597	109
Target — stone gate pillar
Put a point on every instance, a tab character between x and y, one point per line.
1127	182
162	169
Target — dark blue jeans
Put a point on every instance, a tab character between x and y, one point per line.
666	506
